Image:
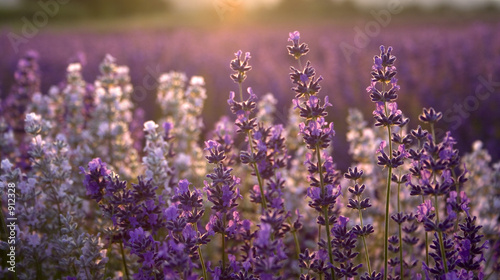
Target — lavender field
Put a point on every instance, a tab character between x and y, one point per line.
452	68
252	152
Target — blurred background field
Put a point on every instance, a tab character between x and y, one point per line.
448	53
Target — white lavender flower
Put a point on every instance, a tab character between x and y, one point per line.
266	108
182	106
108	130
8	147
6	165
74	68
485	193
150	126
155	161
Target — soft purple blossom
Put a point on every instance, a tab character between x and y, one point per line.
424	210
171	213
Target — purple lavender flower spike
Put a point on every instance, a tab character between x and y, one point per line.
95	179
239	66
424	210
296	50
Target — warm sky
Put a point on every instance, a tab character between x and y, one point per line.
379	3
188	4
459	3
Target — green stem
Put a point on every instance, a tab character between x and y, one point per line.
327	228
457	189
387	203
401	274
488	276
399	199
203	267
386	227
124	261
488	265
108	252
254	165
295	239
297	246
241	91
263	200
325	210
367	256
427	248
426	243
39	274
319	235
223	243
419	145
433	133
440	234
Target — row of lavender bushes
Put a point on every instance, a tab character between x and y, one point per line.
257	200
453	67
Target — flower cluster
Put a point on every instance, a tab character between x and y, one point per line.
182	105
158	150
433	175
109	133
323	178
27	83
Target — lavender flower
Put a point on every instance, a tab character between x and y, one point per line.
387	115
360	230
344	241
182	105
270	253
317	134
156	160
27	83
223	193
296	50
146	248
470	251
240	67
108	131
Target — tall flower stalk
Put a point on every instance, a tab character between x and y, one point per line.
246	124
416	156
182	105
317	133
386	115
267	156
223	193
360	204
107	131
400	217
